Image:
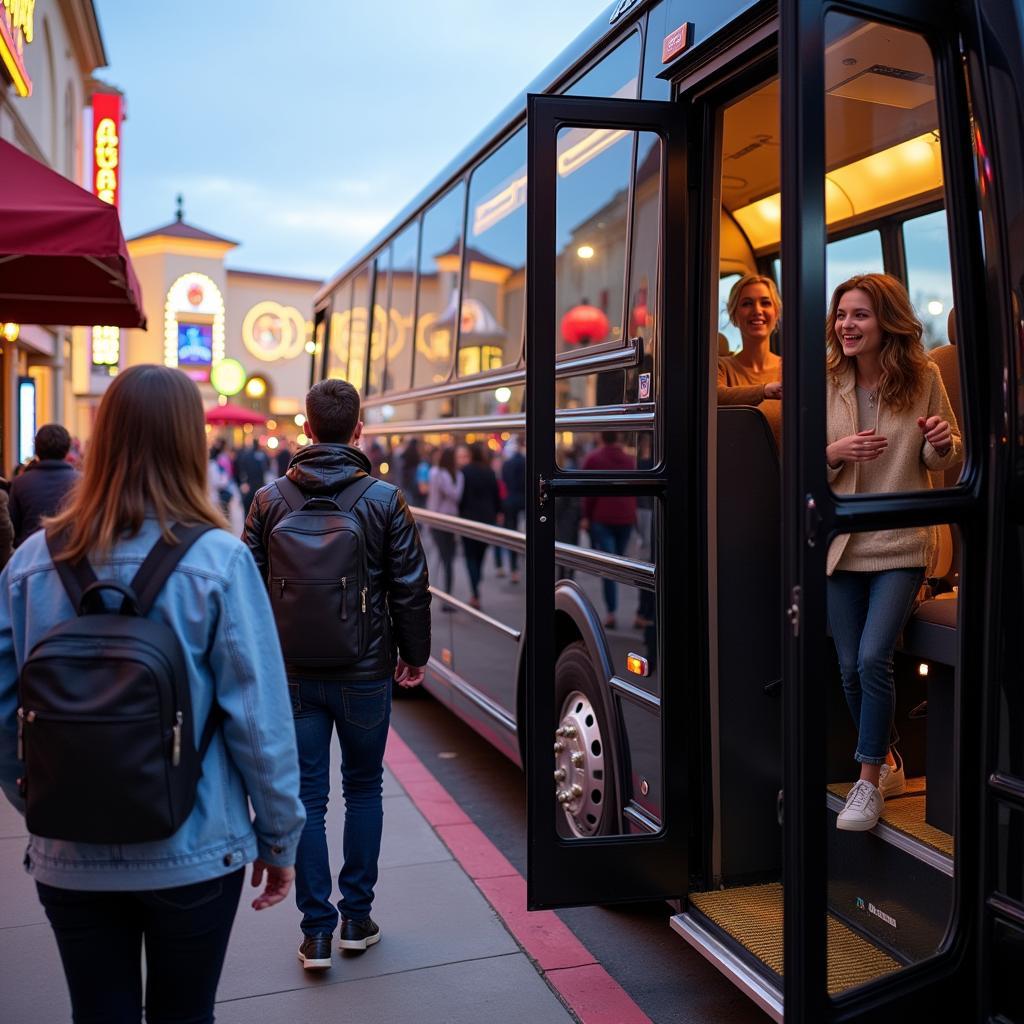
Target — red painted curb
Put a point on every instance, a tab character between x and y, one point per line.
569	967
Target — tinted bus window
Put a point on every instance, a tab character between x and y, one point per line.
379	326
359	329
858	254
337	343
402	310
616	75
437	310
929	276
493	298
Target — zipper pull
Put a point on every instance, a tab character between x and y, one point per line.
176	747
281	582
344	598
21	734
363	595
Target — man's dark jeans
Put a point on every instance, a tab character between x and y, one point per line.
100	937
360	712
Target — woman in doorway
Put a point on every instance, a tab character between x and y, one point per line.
755	372
146	471
889	424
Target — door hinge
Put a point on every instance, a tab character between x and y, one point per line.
793	611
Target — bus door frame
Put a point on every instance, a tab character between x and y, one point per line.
812	516
580	871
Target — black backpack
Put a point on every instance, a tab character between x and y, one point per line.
318	577
105	712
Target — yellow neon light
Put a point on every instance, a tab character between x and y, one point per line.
106	346
271	331
177	302
499	206
907	169
17	29
107	159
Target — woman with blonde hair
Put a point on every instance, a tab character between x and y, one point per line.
755	372
889	425
145	482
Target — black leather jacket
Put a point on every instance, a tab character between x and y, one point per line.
399	598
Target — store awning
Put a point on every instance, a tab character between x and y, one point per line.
233	416
63	258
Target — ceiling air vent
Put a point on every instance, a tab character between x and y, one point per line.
889	86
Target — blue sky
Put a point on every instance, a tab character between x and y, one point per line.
299	129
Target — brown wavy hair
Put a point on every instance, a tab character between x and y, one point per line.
147	454
902	356
732	304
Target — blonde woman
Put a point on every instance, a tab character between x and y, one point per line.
755	372
889	425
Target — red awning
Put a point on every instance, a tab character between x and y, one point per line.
233	416
63	258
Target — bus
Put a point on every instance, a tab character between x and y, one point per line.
639	620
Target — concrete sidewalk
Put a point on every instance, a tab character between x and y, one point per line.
444	958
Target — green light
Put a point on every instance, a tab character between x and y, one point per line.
228	377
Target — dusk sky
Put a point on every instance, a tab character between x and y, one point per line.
300	129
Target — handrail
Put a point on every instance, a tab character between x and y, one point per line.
487	620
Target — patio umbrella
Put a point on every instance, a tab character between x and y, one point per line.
63	258
233	416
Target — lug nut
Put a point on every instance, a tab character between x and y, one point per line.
559	746
560	775
569	732
577	790
577	758
563	796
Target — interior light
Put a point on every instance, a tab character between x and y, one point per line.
503	395
585	252
935	307
922	669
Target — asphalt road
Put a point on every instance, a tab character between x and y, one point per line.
668	979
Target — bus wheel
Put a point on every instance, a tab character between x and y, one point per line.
584	786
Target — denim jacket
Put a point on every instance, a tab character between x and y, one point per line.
217	604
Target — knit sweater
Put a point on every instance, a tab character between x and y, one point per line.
904	466
740	385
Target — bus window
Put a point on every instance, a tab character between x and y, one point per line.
858	254
617	74
494	294
726	328
401	309
643	263
379	327
359	329
437	308
337	343
929	275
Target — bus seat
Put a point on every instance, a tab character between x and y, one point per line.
945	358
723	345
942	562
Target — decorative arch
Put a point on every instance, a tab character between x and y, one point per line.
193	294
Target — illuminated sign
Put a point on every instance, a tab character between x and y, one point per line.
26	418
195	349
15	32
208	312
106	346
106	147
271	331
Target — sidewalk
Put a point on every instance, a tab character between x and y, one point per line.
444	958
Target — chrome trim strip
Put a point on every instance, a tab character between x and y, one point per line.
512	634
641	817
632	692
497	535
621	357
472	694
744	977
908	844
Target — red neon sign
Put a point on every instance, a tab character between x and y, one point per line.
106	147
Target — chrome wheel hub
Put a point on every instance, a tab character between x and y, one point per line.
579	765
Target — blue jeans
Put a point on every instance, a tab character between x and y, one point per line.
100	936
611	538
360	712
867	611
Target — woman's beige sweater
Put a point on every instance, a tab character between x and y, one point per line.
904	466
740	385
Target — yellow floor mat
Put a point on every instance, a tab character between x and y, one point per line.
906	813
753	916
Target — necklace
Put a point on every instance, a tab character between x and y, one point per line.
872	395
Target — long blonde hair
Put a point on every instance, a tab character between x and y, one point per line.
147	454
902	358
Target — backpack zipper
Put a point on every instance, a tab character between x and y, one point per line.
363	595
176	747
344	598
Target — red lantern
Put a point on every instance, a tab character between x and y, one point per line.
584	324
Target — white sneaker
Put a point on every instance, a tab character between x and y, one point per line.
892	781
864	805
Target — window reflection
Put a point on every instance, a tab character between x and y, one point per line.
929	275
402	279
379	326
359	329
337	345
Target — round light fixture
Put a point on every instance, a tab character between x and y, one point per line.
935	307
255	387
11	332
585	252
503	394
299	419
227	377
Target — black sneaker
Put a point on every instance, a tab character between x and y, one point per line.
357	934
315	952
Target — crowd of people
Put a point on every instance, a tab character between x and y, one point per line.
320	607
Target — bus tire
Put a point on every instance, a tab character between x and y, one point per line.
584	761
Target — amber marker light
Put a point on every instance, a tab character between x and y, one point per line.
637	664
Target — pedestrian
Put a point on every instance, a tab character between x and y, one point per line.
174	897
609	518
481	502
39	490
443	495
284	456
6	526
513	476
356	558
218	478
251	465
889	424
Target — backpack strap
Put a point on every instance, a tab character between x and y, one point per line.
77	577
293	497
353	492
160	563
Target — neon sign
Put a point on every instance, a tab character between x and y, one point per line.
106	151
16	30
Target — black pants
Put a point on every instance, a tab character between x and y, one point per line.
474	551
445	542
100	935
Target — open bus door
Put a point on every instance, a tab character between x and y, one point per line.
570	868
949	982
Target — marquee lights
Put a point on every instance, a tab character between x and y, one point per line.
106	346
211	304
16	31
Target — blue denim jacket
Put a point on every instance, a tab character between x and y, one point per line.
217	604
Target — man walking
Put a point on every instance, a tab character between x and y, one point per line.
40	489
348	625
251	466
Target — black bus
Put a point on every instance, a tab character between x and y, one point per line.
656	653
